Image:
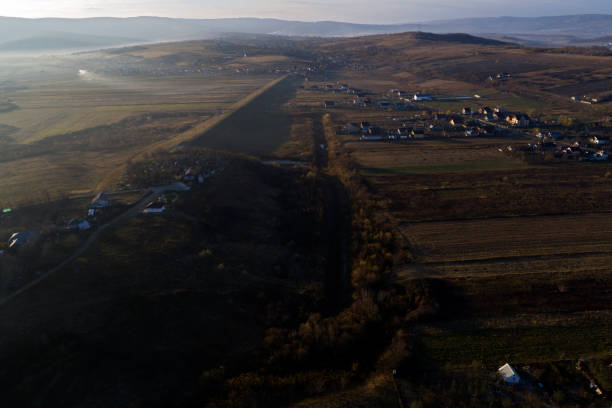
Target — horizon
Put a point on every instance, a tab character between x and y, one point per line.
298	20
357	12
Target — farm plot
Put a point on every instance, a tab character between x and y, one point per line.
571	189
73	104
432	156
511	237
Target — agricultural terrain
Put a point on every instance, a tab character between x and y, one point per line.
301	263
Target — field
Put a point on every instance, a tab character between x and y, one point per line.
432	156
518	254
309	268
69	130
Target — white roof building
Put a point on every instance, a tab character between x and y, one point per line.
509	374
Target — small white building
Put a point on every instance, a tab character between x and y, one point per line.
422	97
509	374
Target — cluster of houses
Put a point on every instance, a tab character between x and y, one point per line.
499	115
369	132
591	100
190	168
484	121
593	148
499	77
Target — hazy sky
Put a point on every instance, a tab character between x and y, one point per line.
364	11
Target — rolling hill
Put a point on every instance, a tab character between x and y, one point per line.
23	34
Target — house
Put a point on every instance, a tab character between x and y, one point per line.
371	137
456	121
91	212
189	174
600	141
78	224
472	132
366	103
383	104
19	239
352	128
422	97
485	110
518	120
154	207
440	116
330	104
600	156
466	111
365	127
509	374
101	200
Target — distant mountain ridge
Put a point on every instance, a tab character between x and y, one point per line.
105	31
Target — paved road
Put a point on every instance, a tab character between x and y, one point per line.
151	194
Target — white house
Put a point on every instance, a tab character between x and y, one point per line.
509	374
422	97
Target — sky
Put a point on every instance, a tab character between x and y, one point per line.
359	11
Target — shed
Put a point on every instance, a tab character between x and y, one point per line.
509	374
155	207
78	224
101	200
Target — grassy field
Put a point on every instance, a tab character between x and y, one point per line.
75	104
74	133
433	156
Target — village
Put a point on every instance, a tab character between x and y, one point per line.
540	140
42	235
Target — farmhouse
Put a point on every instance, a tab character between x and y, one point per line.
78	224
518	120
19	239
365	126
330	104
422	97
352	128
154	207
101	200
370	138
456	121
509	374
485	110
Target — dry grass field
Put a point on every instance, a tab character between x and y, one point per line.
515	237
70	132
432	156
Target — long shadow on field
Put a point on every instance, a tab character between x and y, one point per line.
260	127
